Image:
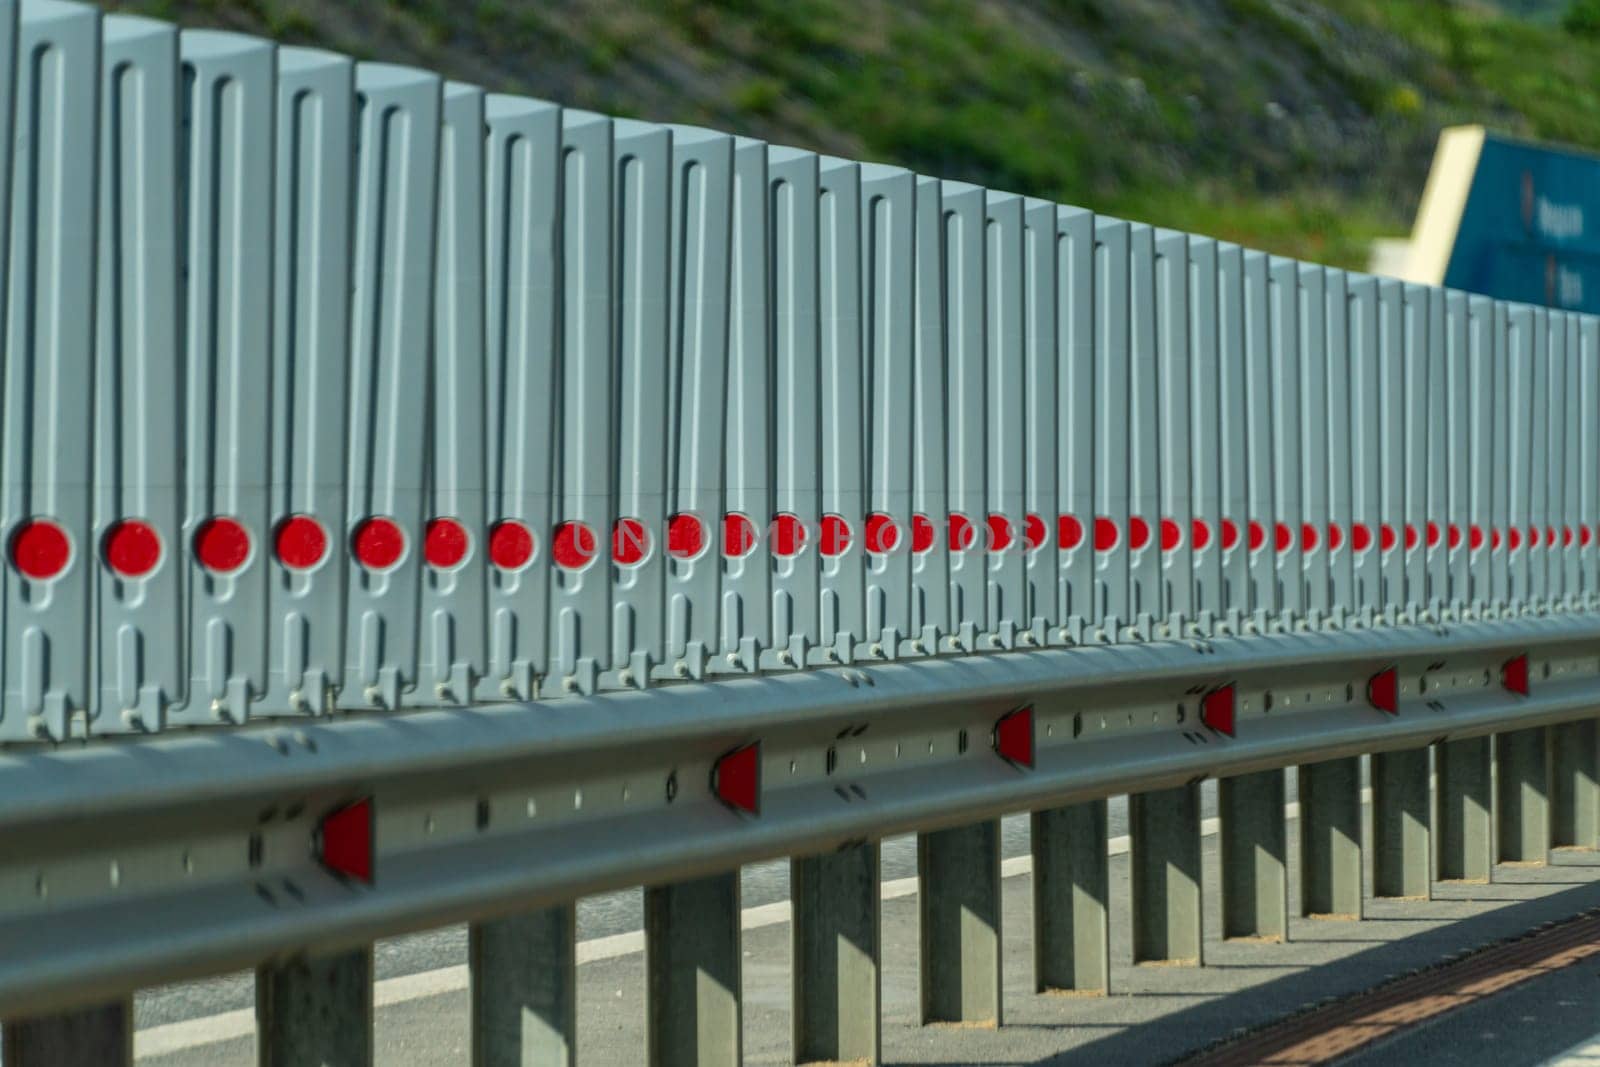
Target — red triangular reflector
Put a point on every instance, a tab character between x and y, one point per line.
1013	736
344	841
736	778
1216	710
1383	691
1514	675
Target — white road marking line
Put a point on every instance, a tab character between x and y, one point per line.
1585	1053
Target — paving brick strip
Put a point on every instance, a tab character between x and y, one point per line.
1329	1033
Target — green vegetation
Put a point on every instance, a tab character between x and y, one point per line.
1299	126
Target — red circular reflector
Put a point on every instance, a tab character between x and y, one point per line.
510	545
962	535
1105	534
922	534
222	545
882	533
1494	539
1514	536
1258	535
1533	537
1138	532
1230	534
1433	534
1000	534
835	535
1413	538
1200	533
738	535
1360	537
1474	537
1171	535
1454	536
788	535
1387	538
132	548
1308	537
630	541
1335	536
1282	538
1585	534
444	543
1069	531
301	542
686	536
379	543
1566	537
1035	532
573	545
1550	536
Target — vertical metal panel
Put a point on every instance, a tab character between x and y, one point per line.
840	533
1394	461
1436	429
1233	441
1589	452
1283	284
1456	433
1145	432
695	389
1109	530
888	258
1257	376
793	177
965	436
1076	432
1365	448
1482	457
1042	417
747	442
138	660
1005	355
1501	457
226	204
310	391
45	461
1538	416
652	343
453	639
1521	359
1570	446
1314	534
1339	385
1554	469
580	586
1206	449
1175	534
391	324
523	159
930	563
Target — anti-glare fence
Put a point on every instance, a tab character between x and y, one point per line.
334	385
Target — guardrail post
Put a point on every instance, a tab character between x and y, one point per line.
1330	839
1071	899
692	1004
524	989
836	950
959	893
102	1034
1401	859
1523	770
1255	847
1574	786
1465	826
316	1010
1164	854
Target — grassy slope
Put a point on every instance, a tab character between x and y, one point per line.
1297	126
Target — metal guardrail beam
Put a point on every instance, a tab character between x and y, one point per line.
131	864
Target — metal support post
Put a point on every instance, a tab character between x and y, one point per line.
959	875
102	1034
1164	855
1330	839
691	932
316	1010
1465	810
1255	847
524	989
1401	860
836	951
1523	769
1575	785
1071	900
